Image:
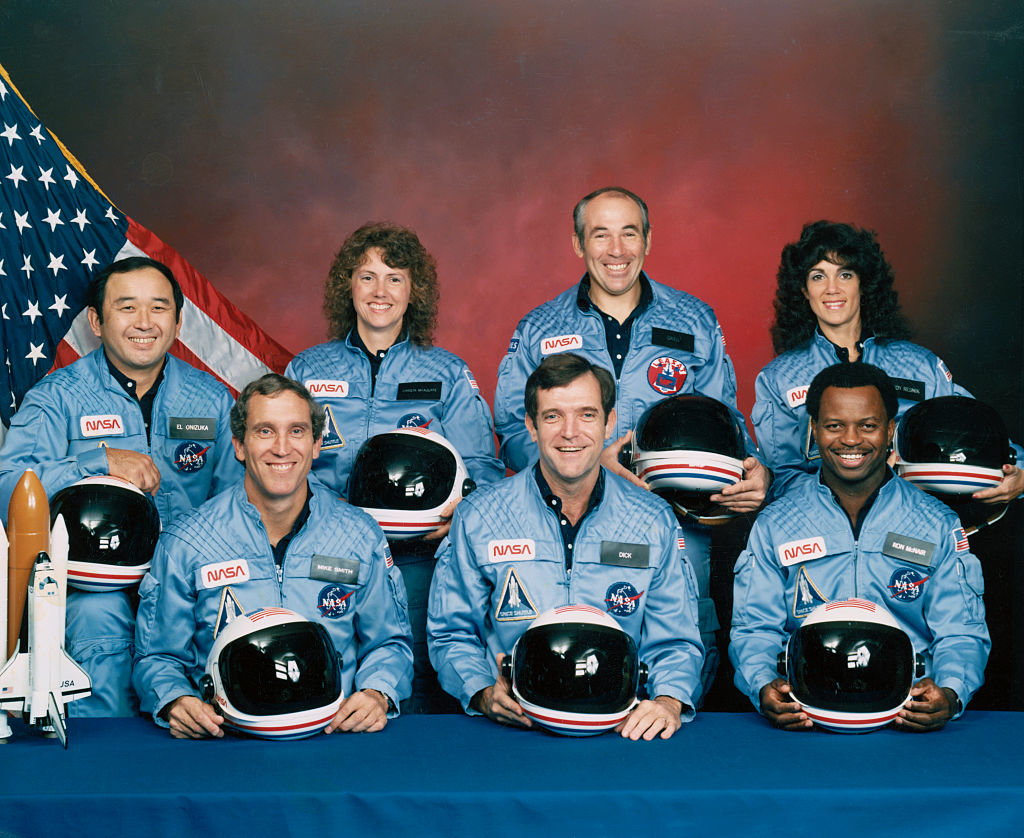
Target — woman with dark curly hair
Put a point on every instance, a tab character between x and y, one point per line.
835	302
380	372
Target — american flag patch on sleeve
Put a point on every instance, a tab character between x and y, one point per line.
390	562
960	537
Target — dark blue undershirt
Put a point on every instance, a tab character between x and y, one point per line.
617	335
282	546
865	509
375	358
555	503
131	388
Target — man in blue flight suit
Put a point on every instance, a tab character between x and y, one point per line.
659	341
291	543
553	535
855	530
129	410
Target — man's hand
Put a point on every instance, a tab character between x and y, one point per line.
610	460
498	704
192	718
135	468
928	708
748	495
365	711
446	522
1011	486
778	707
660	717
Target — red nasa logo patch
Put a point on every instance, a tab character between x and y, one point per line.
666	375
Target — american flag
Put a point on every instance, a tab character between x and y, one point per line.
57	229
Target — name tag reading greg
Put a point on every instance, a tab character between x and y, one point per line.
621	554
343	571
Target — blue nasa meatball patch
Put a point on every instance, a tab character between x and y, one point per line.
189	457
414	420
332	602
906	584
622	599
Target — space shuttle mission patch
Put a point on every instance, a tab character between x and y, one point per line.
515	602
807	597
332	437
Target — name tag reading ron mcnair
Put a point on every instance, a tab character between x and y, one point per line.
620	554
908	549
343	571
192	427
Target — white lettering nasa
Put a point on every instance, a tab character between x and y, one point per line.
794	552
327	387
797	396
109	424
223	573
511	550
560	344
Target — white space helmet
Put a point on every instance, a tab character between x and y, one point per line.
404	478
274	674
850	666
688	448
112	531
953	446
575	671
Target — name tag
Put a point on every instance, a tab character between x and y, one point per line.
621	554
907	388
195	427
224	573
419	391
908	549
328	569
110	424
672	340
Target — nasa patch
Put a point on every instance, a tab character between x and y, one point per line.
224	573
666	375
190	457
414	420
797	396
332	602
906	584
622	599
513	346
108	424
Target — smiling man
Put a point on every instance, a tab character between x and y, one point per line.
292	544
567	522
854	530
658	341
128	410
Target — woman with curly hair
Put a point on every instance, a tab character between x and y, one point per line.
380	372
835	302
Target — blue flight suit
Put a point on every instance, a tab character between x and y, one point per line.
911	556
178	613
676	347
416	386
503	565
58	432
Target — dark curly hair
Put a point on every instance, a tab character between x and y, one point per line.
400	248
849	247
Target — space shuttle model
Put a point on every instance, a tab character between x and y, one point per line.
38	681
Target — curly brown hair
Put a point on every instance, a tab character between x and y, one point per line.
400	248
850	247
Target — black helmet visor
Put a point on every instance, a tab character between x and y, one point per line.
404	472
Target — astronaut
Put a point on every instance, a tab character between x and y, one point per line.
565	531
275	539
659	341
130	410
854	530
